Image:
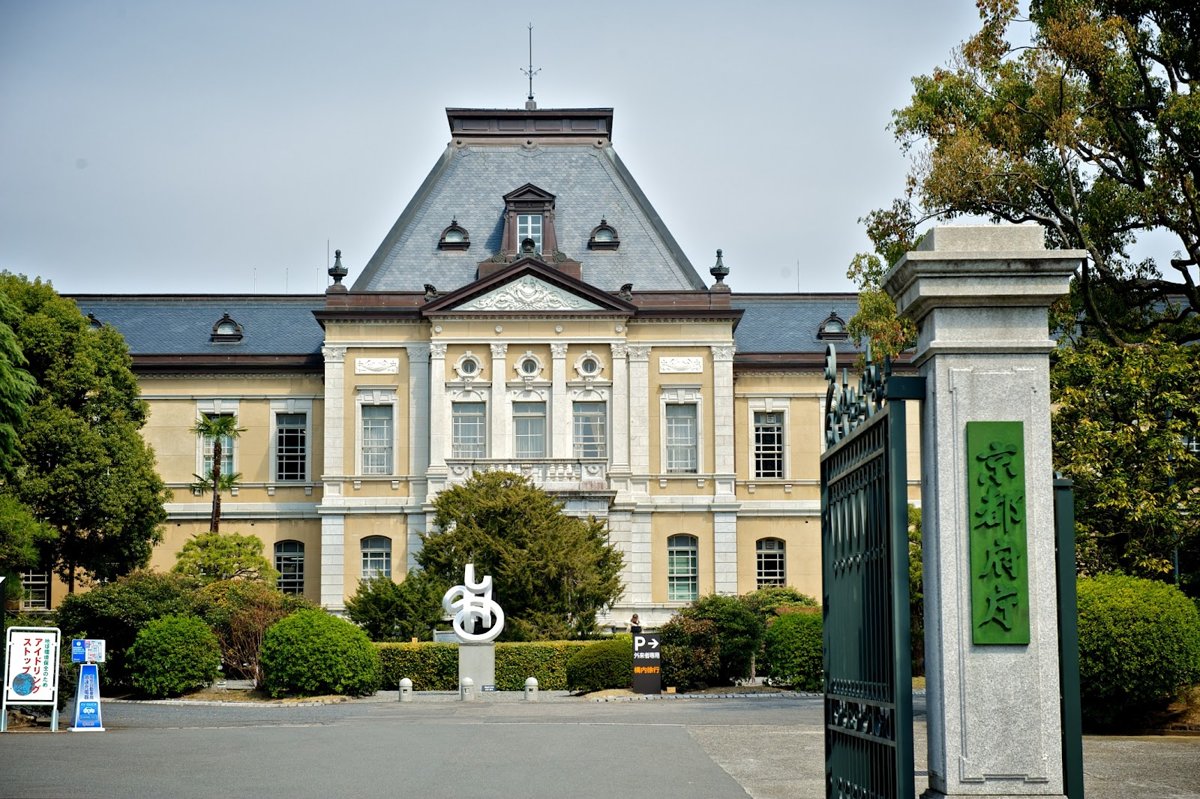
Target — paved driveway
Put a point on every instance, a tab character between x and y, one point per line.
763	748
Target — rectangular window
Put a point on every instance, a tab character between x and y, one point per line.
683	583
37	590
376	557
226	450
682	442
291	446
377	439
591	430
529	226
772	569
289	562
529	427
768	444
468	428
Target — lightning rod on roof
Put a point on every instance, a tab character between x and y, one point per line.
530	105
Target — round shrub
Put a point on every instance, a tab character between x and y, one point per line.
311	652
739	634
1139	644
793	651
600	666
172	656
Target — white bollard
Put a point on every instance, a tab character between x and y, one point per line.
406	690
466	690
531	689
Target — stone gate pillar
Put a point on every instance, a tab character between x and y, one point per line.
979	296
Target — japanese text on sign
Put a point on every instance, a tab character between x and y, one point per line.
996	516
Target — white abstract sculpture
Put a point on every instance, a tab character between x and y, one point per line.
471	601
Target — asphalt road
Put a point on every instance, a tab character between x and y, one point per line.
765	748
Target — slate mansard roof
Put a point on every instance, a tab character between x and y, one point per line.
486	160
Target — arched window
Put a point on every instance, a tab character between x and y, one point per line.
376	557
772	562
683	568
289	562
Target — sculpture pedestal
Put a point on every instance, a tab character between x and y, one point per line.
478	661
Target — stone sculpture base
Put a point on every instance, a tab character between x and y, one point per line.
478	661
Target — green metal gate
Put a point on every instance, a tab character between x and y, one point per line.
864	554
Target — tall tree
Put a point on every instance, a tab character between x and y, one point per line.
81	464
216	429
552	573
1092	131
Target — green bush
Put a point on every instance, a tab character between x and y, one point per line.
390	611
119	610
434	667
430	666
239	612
690	653
793	651
739	634
766	601
606	664
172	656
1139	644
311	652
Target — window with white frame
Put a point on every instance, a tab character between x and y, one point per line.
683	568
206	452
291	446
37	590
529	226
768	444
529	429
376	557
591	430
770	554
682	439
378	438
289	562
468	430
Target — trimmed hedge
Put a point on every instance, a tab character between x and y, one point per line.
691	653
311	652
793	654
172	656
600	666
1139	644
434	667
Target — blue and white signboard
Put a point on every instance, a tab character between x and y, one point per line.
87	650
87	700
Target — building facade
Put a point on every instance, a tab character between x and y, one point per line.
528	311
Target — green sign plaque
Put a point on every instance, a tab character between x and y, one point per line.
999	548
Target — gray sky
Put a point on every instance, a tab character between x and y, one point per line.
150	146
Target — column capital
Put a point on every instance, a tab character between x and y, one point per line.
437	351
619	349
419	353
723	352
558	350
334	354
499	350
639	352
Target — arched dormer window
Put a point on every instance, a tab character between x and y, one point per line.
454	237
226	330
834	327
604	237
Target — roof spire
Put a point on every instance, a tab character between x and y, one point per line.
337	272
719	270
530	105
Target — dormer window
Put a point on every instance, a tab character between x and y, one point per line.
834	327
604	237
529	233
226	330
455	237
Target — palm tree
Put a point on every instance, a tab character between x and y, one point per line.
216	428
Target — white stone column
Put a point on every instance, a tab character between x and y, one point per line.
418	443
439	433
560	404
980	297
639	570
639	412
620	409
499	420
723	448
331	556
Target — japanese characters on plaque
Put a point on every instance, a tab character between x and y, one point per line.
31	673
999	546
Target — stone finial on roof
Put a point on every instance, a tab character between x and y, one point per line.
337	272
719	271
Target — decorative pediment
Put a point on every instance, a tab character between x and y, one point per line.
529	193
528	293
